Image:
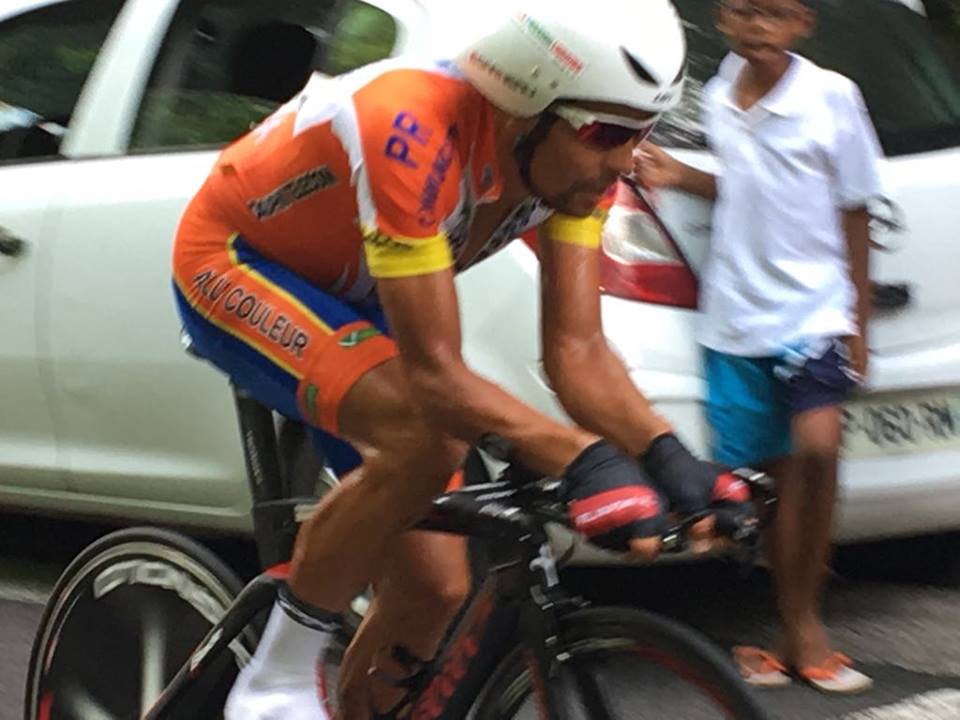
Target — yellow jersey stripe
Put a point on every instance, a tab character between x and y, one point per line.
396	257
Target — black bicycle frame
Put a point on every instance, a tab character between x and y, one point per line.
274	512
518	599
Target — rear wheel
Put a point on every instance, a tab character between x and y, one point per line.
120	622
627	664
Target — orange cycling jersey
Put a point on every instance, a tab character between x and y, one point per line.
375	174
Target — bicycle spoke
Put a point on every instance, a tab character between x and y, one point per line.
79	704
153	657
591	695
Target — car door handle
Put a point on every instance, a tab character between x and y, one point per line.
890	296
10	244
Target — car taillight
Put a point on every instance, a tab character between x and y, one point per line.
640	260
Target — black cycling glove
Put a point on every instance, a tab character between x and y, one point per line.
610	499
690	484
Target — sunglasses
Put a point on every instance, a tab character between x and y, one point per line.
603	131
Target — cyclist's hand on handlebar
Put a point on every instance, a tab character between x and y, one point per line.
692	485
612	501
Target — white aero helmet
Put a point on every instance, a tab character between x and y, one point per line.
629	52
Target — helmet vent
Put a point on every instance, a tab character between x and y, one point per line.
638	68
679	77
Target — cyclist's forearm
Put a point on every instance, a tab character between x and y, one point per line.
467	406
595	389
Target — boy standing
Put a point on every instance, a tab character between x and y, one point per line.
784	298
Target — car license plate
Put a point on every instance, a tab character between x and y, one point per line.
901	424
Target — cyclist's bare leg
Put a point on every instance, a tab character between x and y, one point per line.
339	549
807	492
406	463
426	581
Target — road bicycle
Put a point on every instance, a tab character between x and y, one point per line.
147	623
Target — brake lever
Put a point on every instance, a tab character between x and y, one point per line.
763	491
674	539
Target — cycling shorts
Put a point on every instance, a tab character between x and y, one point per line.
288	343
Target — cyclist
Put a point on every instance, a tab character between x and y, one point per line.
316	265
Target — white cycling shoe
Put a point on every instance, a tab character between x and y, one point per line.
284	680
261	695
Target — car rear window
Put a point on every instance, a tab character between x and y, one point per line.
904	55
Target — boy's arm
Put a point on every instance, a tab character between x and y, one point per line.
857	183
856	227
657	168
698	182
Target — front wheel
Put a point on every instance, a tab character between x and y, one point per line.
120	622
628	664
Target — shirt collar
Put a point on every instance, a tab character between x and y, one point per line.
730	67
786	98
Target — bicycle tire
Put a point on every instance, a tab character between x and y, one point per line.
677	651
128	588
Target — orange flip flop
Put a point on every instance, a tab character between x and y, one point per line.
835	676
760	668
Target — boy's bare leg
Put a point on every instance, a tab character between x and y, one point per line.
802	533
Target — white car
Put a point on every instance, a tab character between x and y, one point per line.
111	112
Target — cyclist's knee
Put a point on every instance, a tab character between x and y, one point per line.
417	453
382	421
428	451
419	465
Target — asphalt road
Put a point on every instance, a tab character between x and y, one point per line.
895	607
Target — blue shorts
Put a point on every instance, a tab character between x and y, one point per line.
751	400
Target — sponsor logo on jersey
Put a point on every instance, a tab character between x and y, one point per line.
426	214
293	191
380	240
246	305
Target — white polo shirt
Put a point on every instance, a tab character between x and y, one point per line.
777	269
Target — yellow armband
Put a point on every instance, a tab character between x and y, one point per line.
583	231
395	257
